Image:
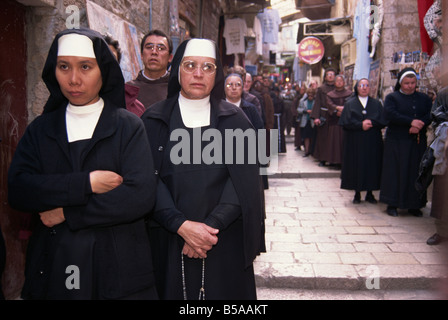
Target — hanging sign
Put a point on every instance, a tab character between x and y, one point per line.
311	50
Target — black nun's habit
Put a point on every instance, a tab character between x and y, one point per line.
101	250
362	150
226	196
403	150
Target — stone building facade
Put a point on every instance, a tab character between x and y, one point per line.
400	31
48	17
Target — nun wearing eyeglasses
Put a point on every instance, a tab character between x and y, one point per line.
84	169
362	121
407	113
234	91
208	223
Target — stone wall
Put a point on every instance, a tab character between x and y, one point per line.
49	19
401	31
211	11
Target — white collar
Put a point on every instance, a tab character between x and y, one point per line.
406	94
237	103
195	113
88	109
363	101
81	121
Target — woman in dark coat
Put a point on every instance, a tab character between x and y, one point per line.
407	113
208	223
305	123
85	167
234	94
362	121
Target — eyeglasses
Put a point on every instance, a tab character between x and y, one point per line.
152	46
363	86
234	84
208	68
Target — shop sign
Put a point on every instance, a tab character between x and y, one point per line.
311	50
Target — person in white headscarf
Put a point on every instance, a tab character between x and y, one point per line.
407	113
208	222
84	169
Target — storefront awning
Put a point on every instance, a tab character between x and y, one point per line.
338	28
327	27
315	9
260	2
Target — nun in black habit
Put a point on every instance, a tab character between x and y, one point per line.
407	113
362	121
208	223
84	168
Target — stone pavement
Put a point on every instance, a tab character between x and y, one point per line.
317	239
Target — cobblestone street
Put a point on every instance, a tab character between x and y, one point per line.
318	239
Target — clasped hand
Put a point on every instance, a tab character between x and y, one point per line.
366	124
416	126
101	181
199	238
339	110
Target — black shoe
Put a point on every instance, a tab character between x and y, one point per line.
357	198
370	198
392	211
321	164
415	212
435	239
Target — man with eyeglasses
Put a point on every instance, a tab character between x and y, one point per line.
152	81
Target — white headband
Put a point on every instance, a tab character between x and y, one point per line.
200	48
77	45
406	74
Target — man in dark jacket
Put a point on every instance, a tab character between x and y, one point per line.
85	167
152	81
208	222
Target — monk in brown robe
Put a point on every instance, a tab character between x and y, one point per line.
335	104
319	114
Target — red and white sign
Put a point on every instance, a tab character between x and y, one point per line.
311	50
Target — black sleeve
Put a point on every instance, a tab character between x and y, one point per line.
131	200
30	190
228	209
165	211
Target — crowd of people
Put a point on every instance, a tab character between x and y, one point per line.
380	146
112	201
376	145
